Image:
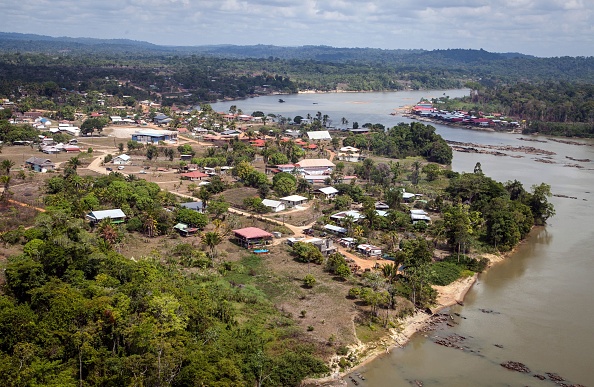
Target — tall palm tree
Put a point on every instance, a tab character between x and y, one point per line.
5	182
212	239
150	226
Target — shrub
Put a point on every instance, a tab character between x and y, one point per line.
466	262
354	292
309	280
444	273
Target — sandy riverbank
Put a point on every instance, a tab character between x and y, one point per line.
448	295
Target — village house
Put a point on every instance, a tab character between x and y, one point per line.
251	237
121	160
194	175
419	216
39	164
293	200
153	136
114	216
274	205
369	250
335	229
315	166
327	193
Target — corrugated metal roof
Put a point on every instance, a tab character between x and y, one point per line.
104	214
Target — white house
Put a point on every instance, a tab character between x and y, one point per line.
274	205
121	160
294	200
328	192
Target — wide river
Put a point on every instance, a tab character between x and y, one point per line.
542	298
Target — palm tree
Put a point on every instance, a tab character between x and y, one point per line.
6	165
107	232
150	226
5	181
74	163
212	239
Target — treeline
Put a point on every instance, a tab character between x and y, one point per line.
73	311
192	75
556	108
404	140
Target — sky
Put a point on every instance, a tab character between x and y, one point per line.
544	28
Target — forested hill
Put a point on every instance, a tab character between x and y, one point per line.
453	63
191	75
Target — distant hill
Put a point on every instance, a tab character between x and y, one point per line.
11	41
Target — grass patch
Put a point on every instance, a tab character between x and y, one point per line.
370	332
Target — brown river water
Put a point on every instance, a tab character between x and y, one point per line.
537	307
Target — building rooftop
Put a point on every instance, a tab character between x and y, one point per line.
252	232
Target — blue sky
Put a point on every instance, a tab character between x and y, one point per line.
537	27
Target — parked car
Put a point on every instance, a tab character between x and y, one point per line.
120	167
108	169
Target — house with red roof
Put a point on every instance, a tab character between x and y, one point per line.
251	237
194	175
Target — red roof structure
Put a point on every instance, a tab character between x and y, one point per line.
194	175
252	232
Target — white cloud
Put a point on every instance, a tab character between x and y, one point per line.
540	27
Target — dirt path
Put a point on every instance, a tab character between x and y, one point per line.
332	154
25	205
362	263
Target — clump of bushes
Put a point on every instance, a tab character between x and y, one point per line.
444	273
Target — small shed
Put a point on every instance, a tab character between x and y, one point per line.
185	230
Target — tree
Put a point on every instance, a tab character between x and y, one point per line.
92	124
539	204
218	207
212	239
191	217
284	186
6	165
432	171
459	223
152	152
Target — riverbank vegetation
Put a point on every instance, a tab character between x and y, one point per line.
549	108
